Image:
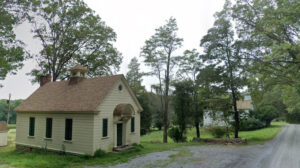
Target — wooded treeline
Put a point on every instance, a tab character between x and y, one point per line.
253	45
12	113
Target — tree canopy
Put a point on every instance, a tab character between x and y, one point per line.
71	33
12	53
223	54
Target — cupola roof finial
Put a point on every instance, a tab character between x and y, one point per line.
79	68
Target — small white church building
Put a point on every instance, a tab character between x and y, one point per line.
80	115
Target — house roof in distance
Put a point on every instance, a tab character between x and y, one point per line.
3	126
62	96
244	105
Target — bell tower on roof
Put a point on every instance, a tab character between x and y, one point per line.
78	71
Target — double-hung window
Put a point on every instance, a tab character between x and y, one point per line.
48	127
68	129
31	126
104	131
132	124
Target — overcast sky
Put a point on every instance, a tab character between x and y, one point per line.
134	21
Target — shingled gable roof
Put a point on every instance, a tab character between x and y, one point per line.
85	96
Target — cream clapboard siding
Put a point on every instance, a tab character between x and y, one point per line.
106	108
82	134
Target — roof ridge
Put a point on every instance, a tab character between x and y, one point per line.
59	96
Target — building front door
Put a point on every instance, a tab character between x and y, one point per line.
119	134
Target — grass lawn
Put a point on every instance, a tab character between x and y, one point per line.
253	137
10	158
262	135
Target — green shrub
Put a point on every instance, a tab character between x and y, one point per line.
86	156
174	133
138	147
265	113
250	124
143	131
293	117
217	131
99	153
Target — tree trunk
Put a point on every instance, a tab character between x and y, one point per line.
197	128
236	115
236	112
165	117
161	92
159	128
165	121
268	123
196	114
234	99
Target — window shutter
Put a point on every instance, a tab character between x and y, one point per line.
132	124
49	128
31	126
68	131
104	133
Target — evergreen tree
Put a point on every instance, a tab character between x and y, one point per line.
134	78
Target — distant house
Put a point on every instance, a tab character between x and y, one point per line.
3	133
244	106
80	115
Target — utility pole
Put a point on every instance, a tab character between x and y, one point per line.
8	107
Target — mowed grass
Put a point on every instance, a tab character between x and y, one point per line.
157	136
12	126
10	158
253	137
262	135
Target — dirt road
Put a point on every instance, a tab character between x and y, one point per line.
281	152
284	151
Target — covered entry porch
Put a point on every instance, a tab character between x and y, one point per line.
122	116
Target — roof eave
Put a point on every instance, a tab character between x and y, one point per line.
132	94
58	111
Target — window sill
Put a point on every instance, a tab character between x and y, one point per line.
68	141
48	139
105	137
132	133
31	137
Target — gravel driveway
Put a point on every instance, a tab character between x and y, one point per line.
282	152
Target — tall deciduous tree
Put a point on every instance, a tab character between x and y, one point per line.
11	50
71	33
270	31
159	55
222	52
189	68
